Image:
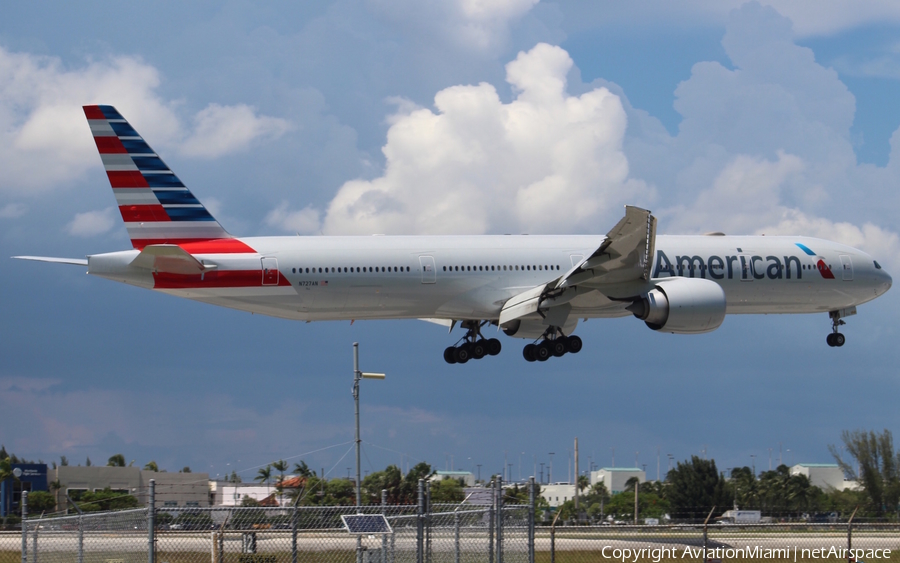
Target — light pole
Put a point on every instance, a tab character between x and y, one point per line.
613	456
357	375
671	457
753	462
550	470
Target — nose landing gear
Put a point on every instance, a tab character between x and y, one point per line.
554	344
473	346
836	339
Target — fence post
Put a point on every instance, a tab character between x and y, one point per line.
491	524
427	521
553	536
24	504
850	558
383	536
80	537
705	526
499	519
293	534
420	524
531	509
80	527
151	523
456	534
34	540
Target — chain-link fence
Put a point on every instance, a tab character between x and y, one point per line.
423	533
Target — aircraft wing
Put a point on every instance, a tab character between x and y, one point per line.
625	255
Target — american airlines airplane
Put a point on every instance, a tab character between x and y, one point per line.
531	287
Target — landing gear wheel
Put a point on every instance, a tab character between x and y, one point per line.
838	339
493	346
463	354
830	340
450	354
557	347
478	349
574	344
528	352
542	351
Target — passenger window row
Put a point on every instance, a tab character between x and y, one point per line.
350	270
498	268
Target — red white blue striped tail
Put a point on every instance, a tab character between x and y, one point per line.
156	206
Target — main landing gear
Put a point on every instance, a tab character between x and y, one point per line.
554	343
835	339
474	345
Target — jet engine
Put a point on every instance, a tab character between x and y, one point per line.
682	306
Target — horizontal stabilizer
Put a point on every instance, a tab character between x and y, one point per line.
74	261
171	259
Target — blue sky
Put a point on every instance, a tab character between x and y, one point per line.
774	118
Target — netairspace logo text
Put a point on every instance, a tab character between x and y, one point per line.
657	554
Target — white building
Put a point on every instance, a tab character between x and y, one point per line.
224	493
557	493
615	477
466	476
172	489
826	476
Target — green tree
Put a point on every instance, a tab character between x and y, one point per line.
621	506
695	487
234	478
583	483
63	461
151	466
302	469
280	466
107	499
264	475
185	469
117	460
40	501
87	462
389	480
447	490
879	467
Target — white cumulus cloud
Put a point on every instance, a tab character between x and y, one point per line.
45	142
304	221
544	162
92	223
220	130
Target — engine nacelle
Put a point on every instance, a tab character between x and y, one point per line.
682	306
532	329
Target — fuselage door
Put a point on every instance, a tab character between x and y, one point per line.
847	263
270	271
428	271
746	266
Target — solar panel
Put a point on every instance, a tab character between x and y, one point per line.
366	524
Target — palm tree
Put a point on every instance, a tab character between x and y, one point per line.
151	466
280	466
302	469
264	475
117	460
583	483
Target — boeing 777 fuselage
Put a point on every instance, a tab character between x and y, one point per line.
534	287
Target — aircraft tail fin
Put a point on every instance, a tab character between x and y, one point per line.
156	207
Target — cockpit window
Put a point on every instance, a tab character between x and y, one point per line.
877	265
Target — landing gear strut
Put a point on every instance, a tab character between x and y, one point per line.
472	346
836	339
554	343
